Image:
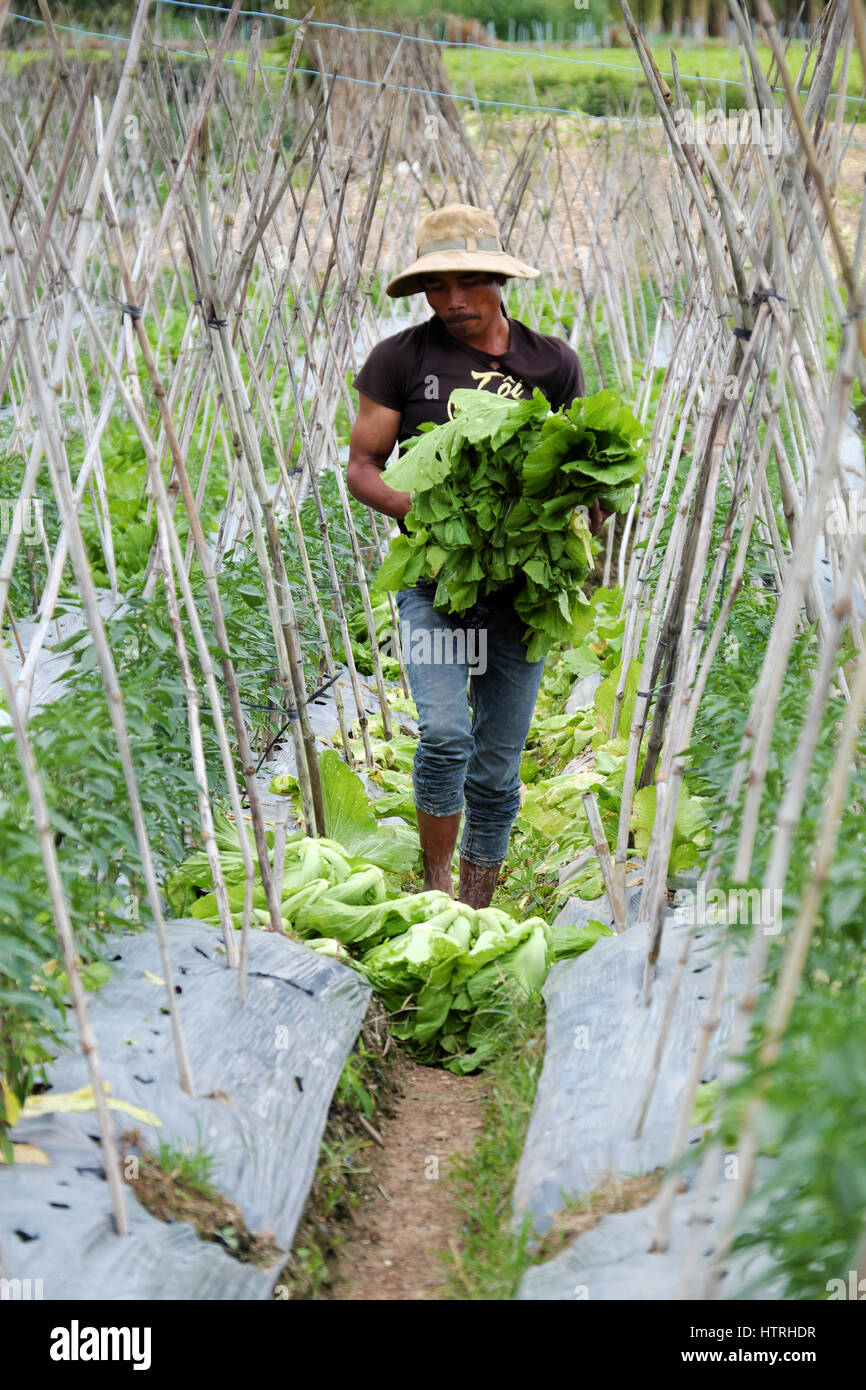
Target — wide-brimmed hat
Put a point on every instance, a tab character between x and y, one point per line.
457	237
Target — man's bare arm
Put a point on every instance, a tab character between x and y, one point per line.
374	435
597	517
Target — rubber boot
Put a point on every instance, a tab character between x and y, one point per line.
477	883
438	836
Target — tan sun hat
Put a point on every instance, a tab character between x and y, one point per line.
457	237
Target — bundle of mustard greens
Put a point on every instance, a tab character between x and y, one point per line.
440	967
500	496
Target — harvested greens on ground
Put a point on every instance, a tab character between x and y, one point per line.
500	494
443	970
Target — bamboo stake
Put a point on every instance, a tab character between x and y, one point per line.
797	950
86	1035
615	892
274	579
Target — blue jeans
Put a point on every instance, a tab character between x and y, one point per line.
470	744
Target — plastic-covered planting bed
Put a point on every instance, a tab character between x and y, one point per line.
601	1038
52	669
264	1071
615	1260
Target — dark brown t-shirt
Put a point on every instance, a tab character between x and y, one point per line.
416	370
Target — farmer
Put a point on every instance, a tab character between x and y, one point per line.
469	341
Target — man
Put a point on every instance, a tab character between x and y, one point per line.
407	379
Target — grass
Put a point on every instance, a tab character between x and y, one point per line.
598	81
176	1185
594	81
14	60
490	1256
191	1167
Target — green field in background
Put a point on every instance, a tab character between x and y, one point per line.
597	81
603	80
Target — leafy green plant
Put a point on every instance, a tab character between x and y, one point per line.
91	821
808	1210
31	565
125	468
349	818
449	959
808	1207
497	494
351	1090
189	1165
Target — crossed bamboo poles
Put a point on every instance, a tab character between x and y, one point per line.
247	217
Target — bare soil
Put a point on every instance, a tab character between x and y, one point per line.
406	1215
615	1195
212	1215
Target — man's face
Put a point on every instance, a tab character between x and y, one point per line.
466	301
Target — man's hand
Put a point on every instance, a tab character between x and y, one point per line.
597	517
373	437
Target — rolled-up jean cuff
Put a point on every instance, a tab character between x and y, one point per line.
484	850
434	808
481	863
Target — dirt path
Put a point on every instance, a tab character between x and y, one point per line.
391	1254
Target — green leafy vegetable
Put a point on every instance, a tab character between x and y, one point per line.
350	819
572	941
500	494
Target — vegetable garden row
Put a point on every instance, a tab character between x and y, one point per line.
194	257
